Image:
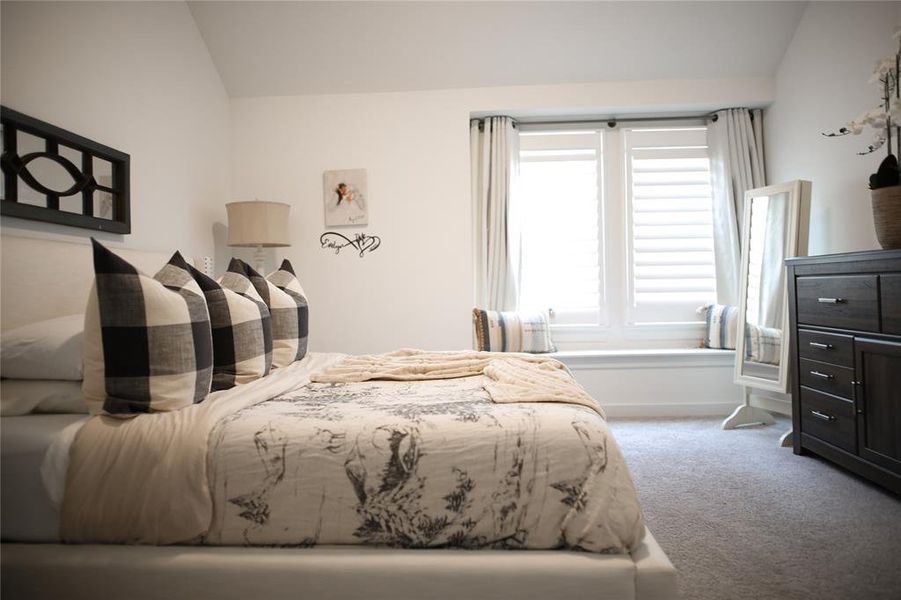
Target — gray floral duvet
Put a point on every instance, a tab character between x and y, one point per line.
428	464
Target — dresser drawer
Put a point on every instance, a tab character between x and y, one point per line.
829	419
826	378
826	347
842	301
890	286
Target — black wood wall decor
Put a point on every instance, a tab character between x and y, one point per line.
96	199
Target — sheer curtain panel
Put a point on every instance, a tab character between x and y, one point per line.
494	150
735	142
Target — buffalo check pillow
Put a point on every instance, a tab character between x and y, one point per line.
242	334
288	309
512	331
148	344
295	305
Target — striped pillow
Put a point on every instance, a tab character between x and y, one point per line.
242	334
289	315
512	331
148	345
763	344
722	324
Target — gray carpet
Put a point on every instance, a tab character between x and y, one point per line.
741	518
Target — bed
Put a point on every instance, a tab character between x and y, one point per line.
376	489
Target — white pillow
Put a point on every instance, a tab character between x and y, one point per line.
23	396
44	350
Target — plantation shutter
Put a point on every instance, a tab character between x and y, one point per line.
671	257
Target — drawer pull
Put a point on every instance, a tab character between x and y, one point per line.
823	375
822	416
830	300
822	345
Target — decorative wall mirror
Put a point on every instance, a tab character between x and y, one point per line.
774	227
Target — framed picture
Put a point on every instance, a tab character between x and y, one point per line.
345	199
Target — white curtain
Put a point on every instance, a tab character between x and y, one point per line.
735	142
494	148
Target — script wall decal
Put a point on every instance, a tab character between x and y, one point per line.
361	243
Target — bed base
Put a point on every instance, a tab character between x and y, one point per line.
45	571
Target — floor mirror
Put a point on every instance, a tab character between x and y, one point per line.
775	225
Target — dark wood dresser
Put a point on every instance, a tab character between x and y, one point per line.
845	312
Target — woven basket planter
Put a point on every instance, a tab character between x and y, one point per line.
887	216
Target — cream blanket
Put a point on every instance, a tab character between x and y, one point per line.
510	377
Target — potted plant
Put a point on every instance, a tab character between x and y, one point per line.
885	119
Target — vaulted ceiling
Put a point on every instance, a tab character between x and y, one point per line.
288	48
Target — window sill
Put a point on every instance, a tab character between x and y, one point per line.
657	358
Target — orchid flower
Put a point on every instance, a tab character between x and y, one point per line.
878	142
885	119
894	110
883	68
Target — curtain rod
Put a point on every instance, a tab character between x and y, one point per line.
613	121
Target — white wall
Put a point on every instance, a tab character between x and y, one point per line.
820	85
137	77
417	289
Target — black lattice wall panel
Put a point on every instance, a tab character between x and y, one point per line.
70	180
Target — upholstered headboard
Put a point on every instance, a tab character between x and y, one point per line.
45	278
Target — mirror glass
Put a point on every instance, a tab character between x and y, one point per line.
764	293
774	227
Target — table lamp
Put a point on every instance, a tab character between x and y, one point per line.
260	225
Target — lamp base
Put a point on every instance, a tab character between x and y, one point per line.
259	260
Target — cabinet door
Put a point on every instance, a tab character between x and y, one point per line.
879	402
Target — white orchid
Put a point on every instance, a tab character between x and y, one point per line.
885	119
883	69
878	141
894	110
855	127
876	118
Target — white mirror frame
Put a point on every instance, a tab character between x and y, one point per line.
798	197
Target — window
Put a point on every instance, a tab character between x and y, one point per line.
559	215
617	234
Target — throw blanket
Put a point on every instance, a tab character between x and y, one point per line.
511	377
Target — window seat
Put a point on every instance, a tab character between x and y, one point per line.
657	382
644	358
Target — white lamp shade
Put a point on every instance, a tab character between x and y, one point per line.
258	223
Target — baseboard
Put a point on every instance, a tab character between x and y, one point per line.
681	409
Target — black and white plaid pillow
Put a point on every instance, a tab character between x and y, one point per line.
289	310
148	344
286	280
242	334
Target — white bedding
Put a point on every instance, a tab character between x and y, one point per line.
406	464
34	456
420	464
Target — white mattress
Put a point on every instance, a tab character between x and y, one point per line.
33	461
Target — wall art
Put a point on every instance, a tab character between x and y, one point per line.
345	198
